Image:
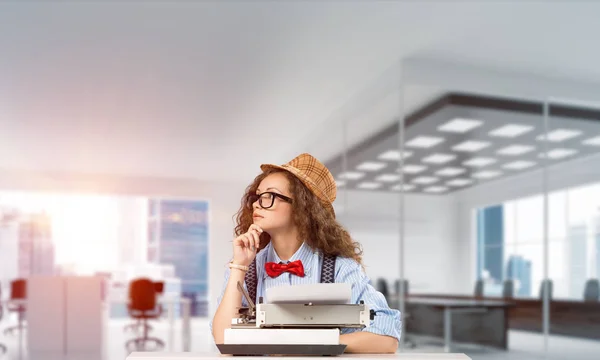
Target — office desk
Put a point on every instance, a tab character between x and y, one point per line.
199	356
467	320
567	317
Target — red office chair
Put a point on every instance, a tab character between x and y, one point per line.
143	307
18	291
159	287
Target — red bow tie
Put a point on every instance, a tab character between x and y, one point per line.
294	267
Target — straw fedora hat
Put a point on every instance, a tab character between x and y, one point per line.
314	175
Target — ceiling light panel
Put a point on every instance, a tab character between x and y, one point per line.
486	174
413	169
459	182
402	187
388	178
559	135
351	175
595	141
514	150
425	180
450	171
369	185
479	162
439	158
371	166
510	130
559	153
459	125
519	165
394	155
471	146
424	142
435	189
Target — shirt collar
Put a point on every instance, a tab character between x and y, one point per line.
305	254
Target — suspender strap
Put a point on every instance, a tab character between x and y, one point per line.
328	269
327	275
251	279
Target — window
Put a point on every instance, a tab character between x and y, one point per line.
510	238
183	242
120	237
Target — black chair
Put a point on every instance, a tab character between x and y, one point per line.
546	286
2	346
406	315
508	289
592	291
143	307
382	287
18	292
478	289
397	287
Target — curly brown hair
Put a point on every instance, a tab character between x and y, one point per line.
316	224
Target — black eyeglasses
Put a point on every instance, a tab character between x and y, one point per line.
266	199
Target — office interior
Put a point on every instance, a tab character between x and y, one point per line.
464	147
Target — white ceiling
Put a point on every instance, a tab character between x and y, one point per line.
209	91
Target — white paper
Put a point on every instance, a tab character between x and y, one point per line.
337	293
282	336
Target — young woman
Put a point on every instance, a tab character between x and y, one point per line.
287	234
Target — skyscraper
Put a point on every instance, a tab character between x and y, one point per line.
180	235
9	251
36	249
519	269
490	236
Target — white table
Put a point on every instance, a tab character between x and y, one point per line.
205	356
170	303
186	327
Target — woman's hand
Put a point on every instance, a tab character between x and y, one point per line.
246	245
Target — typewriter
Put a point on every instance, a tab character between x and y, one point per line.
296	320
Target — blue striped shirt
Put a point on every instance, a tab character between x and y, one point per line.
387	321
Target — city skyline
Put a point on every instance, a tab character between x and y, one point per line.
573	232
519	270
182	231
36	249
114	236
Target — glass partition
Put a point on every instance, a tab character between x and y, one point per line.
363	137
373	198
572	153
469	204
473	219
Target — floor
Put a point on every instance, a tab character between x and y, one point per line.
523	346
